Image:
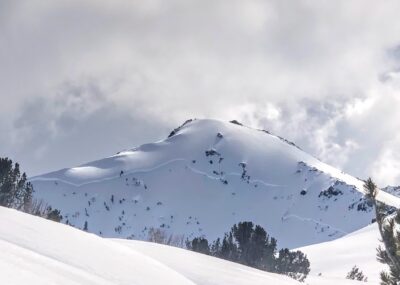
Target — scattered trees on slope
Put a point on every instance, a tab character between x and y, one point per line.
388	228
250	245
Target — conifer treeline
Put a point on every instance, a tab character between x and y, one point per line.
16	192
250	245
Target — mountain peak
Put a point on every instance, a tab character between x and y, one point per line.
205	177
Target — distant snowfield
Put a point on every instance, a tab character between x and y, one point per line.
35	251
203	179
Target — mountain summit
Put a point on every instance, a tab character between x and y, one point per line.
205	177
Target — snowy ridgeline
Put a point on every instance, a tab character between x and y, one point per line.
65	255
205	177
394	190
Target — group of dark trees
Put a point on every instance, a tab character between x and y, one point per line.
250	245
389	230
16	192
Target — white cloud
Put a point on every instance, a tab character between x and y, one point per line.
324	74
387	166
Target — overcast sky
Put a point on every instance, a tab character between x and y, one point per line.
81	80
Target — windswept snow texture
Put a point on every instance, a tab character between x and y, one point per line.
35	251
205	177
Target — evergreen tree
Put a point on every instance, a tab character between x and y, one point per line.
254	246
293	263
15	191
390	254
243	234
215	247
199	244
356	274
229	248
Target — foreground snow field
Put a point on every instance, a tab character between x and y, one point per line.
202	268
40	252
205	177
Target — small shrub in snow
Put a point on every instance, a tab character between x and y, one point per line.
53	214
159	235
212	152
330	192
236	122
85	226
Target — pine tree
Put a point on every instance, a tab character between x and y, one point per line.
390	254
200	245
243	233
229	250
356	274
215	247
293	263
15	191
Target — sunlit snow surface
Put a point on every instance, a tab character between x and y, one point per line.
36	251
203	179
334	259
39	252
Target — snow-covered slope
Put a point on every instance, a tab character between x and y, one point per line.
200	267
35	251
205	177
334	259
394	190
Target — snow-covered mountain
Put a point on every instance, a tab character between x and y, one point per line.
394	190
206	176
